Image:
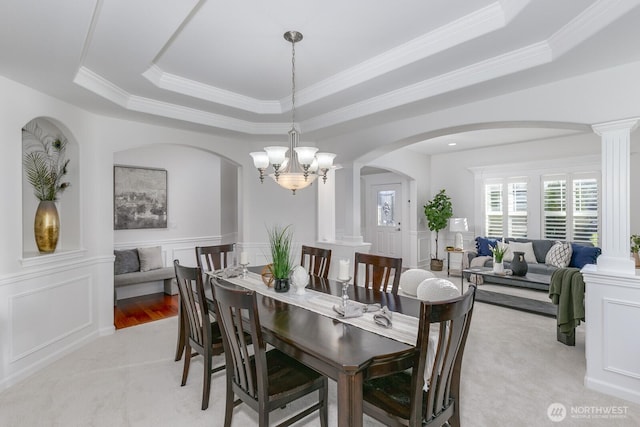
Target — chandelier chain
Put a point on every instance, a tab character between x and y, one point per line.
293	83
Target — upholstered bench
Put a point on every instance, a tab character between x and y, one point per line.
141	265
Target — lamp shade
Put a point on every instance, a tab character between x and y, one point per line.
458	225
260	159
325	160
276	154
305	154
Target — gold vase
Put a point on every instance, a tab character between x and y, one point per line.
46	226
636	258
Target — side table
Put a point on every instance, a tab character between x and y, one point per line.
462	254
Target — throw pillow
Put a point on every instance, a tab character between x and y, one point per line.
583	255
150	258
126	261
559	255
526	247
483	244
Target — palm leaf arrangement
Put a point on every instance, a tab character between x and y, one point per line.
280	241
44	162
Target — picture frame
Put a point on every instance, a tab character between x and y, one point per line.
139	197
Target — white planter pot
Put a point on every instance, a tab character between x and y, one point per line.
498	267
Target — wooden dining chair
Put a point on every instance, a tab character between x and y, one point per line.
208	258
397	397
266	380
317	261
380	272
202	335
215	257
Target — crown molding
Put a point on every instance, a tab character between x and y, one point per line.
521	59
473	25
103	87
590	21
195	89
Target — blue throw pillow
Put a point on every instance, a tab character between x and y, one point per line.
583	255
483	245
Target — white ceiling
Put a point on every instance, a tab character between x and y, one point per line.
224	67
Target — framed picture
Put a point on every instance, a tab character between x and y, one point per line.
139	198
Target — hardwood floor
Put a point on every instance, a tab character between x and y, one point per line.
143	309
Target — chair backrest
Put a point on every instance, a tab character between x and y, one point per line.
194	305
381	273
215	257
319	260
441	400
238	312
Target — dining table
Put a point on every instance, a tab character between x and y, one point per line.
332	346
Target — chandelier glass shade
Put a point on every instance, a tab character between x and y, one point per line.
303	165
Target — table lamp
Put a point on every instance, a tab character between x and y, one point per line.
458	226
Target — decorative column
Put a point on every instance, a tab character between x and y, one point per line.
615	196
327	208
612	297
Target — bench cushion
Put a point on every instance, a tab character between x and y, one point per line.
143	277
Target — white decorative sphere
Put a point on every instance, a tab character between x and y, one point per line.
410	279
437	290
299	278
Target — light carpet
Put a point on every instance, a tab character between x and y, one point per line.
513	370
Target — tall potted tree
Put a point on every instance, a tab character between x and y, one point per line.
438	211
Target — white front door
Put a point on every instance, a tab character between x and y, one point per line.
385	209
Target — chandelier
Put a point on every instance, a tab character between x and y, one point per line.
302	168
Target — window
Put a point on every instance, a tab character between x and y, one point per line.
517	202
386	203
493	209
540	201
585	210
508	209
571	215
555	209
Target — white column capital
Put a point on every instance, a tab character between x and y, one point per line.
615	126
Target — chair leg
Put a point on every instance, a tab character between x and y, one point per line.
206	383
230	404
187	361
324	402
181	333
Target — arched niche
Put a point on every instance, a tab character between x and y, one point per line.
68	203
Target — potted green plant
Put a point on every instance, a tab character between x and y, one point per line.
498	252
635	248
281	262
438	211
45	167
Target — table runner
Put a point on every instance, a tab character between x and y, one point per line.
404	328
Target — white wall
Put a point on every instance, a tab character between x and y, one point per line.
193	192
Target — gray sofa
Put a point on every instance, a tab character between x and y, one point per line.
583	253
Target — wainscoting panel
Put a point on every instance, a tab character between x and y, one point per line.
43	316
620	356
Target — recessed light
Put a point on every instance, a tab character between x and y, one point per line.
451	144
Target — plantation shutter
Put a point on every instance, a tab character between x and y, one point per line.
517	209
493	209
585	210
555	209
